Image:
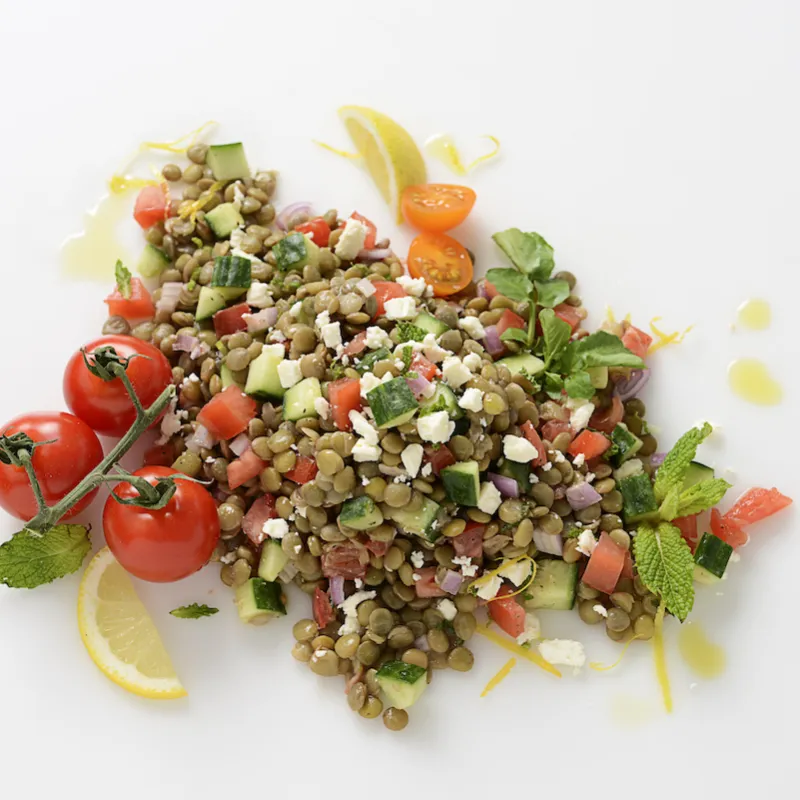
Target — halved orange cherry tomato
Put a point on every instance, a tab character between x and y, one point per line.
437	207
440	261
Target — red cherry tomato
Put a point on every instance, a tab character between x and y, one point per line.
317	229
106	406
443	262
569	315
386	290
437	207
508	613
59	466
167	544
372	231
757	504
344	396
151	206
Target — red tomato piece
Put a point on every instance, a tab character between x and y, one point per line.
344	396
137	307
323	610
569	314
426	586
508	614
424	368
590	444
228	413
160	455
377	548
151	206
488	289
605	565
437	206
688	528
638	342
230	320
386	290
532	435
470	542
439	457
260	512
343	560
553	427
606	419
627	566
757	504
356	345
509	319
247	466
727	529
317	229
304	470
372	231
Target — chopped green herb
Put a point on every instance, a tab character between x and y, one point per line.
408	332
194	611
123	277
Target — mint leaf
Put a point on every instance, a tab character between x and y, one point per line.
514	335
600	349
673	470
194	611
528	252
551	293
556	334
408	332
123	277
553	385
666	566
669	508
579	384
30	559
702	496
510	283
407	354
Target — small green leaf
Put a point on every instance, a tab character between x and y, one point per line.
510	283
408	332
669	508
702	496
123	277
407	354
556	335
551	293
30	559
553	385
514	335
673	470
579	385
600	349
528	252
194	611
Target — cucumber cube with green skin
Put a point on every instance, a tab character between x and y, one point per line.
422	523
152	262
403	684
228	161
209	302
598	377
554	586
272	561
371	359
442	399
232	276
262	376
294	252
430	324
696	473
258	601
638	500
711	559
298	402
224	220
360	514
392	403
627	445
462	483
522	363
521	473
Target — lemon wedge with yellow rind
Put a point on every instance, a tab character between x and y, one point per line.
390	154
119	633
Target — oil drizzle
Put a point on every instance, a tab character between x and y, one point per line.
706	659
749	378
754	314
628	711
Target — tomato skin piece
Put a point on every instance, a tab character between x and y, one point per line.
553	427
439	457
344	395
606	419
106	406
59	466
372	231
426	586
688	528
260	512
532	435
305	470
343	560
590	444
436	207
386	290
318	229
757	504
356	345
137	307
231	320
569	314
247	466
441	262
470	542
605	565
727	529
509	319
228	413
151	206
377	548
323	610
167	544
637	341
424	368
508	614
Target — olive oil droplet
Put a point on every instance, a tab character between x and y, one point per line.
754	314
749	378
704	658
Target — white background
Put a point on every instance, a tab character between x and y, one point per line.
655	145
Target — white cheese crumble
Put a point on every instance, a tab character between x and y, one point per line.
468	569
565	652
472	326
258	295
350	608
401	308
586	543
532	630
601	610
289	373
579	460
519	449
368	383
171	422
448	609
412	459
431	349
471	400
296	309
436	427
362	427
352	239
489	499
579	418
366	287
322	407
472	361
275	528
454	371
364	451
377	337
413	286
489	588
427	470
517	572
417	559
332	334
322	319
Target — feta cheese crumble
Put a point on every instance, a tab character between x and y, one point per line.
417	559
289	373
275	528
532	630
364	451
454	371
366	287
401	308
322	407
351	242
362	427
377	337
601	610
471	400
472	361
350	609
489	499
436	427
517	572
412	459
447	609
489	588
586	543
519	449
258	295
413	286
565	652
472	326
332	334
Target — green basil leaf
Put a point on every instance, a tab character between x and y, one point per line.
528	252
514	335
551	293
553	385
514	285
579	384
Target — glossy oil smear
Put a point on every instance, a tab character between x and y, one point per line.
706	659
754	314
749	378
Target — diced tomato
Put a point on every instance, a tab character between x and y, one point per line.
424	368
488	289
554	427
589	444
356	345
323	610
343	560
470	542
304	470
151	206
508	614
508	319
377	548
426	586
569	314
727	529
606	419
247	466
318	230
344	396
605	565
688	528
160	455
136	307
228	413
386	290
439	457
372	231
230	320
757	504
638	342
260	512
532	435
627	566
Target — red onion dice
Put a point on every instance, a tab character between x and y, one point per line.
582	495
507	487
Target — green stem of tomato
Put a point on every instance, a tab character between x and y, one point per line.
27	465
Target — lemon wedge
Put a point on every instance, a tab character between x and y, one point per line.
119	633
390	154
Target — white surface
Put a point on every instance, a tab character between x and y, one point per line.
653	144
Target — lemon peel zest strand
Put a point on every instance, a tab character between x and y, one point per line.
499	676
513	647
496	573
598	667
175	146
337	151
660	659
490	155
665	339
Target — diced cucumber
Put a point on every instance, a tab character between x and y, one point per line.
462	482
522	363
638	500
521	473
272	561
402	683
625	444
419	523
294	252
598	377
298	402
224	220
711	558
554	586
372	358
152	262
392	403
696	473
360	514
632	467
227	378
262	377
209	302
430	324
228	161
232	276
442	399
258	601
